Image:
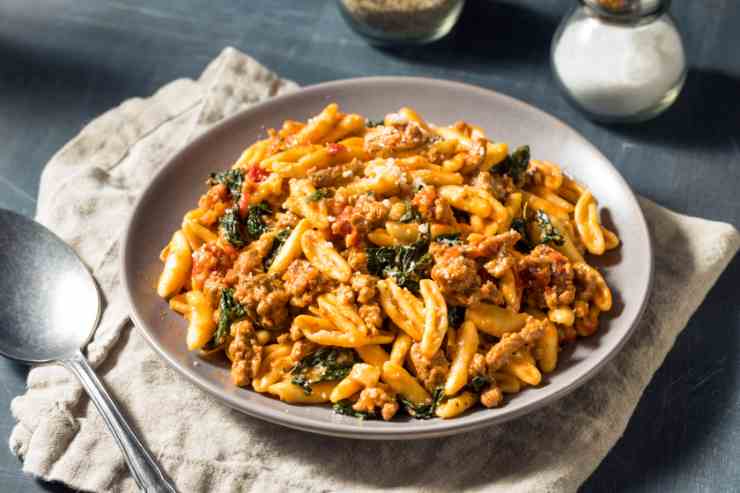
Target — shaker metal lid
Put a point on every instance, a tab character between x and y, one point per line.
626	10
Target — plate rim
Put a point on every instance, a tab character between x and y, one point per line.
402	431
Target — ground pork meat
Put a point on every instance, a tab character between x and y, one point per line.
301	349
373	212
423	201
456	275
246	354
372	315
214	203
263	295
334	176
344	294
478	365
286	220
384	140
380	396
493	246
432	373
356	258
443	211
476	153
589	323
211	259
250	259
483	181
365	287
586	280
492	396
355	221
500	352
490	292
304	282
547	277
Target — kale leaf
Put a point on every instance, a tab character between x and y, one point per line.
406	264
550	234
345	407
455	315
424	411
232	179
229	311
520	226
319	194
277	244
411	215
254	222
478	382
449	239
328	363
515	165
233	229
240	231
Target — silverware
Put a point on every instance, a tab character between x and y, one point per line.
49	309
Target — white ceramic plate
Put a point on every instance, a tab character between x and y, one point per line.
178	185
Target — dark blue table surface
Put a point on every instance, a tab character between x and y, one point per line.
63	62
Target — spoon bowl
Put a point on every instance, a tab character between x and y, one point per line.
49	309
50	303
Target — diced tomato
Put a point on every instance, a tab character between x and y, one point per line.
335	148
244	203
256	174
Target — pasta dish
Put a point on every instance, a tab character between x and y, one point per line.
389	267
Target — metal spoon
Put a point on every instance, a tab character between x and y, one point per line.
49	308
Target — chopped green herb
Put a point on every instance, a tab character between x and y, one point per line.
277	243
319	194
520	226
455	315
373	123
478	382
229	311
239	232
254	222
345	407
449	239
232	179
424	411
550	234
515	165
232	227
407	264
326	364
411	215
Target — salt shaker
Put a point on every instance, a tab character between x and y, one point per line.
619	60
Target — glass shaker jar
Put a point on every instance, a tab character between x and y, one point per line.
401	22
619	60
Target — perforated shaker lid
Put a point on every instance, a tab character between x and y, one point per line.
626	10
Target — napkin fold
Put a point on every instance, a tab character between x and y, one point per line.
87	191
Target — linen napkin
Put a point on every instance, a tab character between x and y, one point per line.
86	193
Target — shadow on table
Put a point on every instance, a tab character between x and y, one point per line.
706	113
55	79
685	407
491	32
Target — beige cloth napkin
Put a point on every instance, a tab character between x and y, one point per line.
87	191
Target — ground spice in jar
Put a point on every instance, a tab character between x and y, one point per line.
404	18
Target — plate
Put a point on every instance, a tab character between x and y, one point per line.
177	186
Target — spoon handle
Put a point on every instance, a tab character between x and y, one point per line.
144	469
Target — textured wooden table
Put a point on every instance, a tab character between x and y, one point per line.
63	62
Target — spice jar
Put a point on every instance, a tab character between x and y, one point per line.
619	60
398	22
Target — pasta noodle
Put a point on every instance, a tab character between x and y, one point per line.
389	266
